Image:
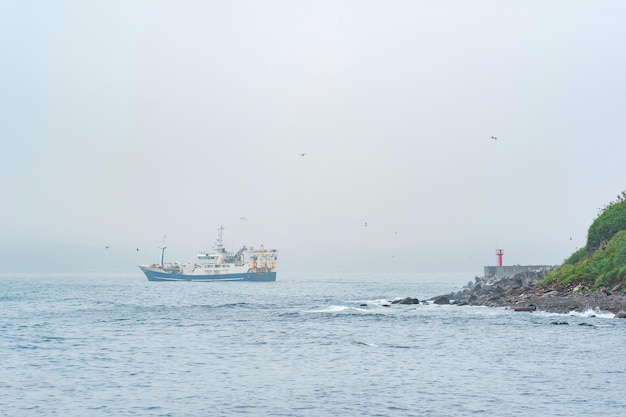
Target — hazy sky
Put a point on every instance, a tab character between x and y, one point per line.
121	121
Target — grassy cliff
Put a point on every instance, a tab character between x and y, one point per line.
602	262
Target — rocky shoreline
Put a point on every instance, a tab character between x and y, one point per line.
523	290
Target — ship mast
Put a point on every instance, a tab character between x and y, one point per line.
162	247
219	243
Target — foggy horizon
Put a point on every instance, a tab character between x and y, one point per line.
126	122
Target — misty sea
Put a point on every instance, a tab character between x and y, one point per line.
306	345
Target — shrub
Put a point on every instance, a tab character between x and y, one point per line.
605	268
576	257
611	220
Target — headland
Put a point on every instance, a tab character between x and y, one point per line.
593	277
527	287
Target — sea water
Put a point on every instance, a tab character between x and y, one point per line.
305	345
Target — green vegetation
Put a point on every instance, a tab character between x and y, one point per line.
611	220
602	263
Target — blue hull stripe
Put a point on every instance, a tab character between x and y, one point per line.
244	276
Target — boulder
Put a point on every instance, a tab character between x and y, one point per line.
407	300
621	315
473	300
441	300
499	289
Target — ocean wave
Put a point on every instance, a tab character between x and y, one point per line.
593	312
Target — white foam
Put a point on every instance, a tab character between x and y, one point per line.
358	342
330	309
335	309
593	312
379	302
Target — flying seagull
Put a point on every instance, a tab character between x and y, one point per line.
243	218
365	225
302	154
494	138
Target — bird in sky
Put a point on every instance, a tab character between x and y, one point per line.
494	138
302	154
137	249
106	247
365	225
243	218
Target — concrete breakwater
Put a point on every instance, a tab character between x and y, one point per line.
492	273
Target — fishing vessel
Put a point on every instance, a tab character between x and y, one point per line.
247	264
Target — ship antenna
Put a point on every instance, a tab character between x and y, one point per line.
219	244
162	247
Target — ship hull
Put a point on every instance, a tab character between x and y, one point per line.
158	275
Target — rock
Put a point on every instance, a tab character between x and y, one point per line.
407	300
559	322
523	288
441	300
